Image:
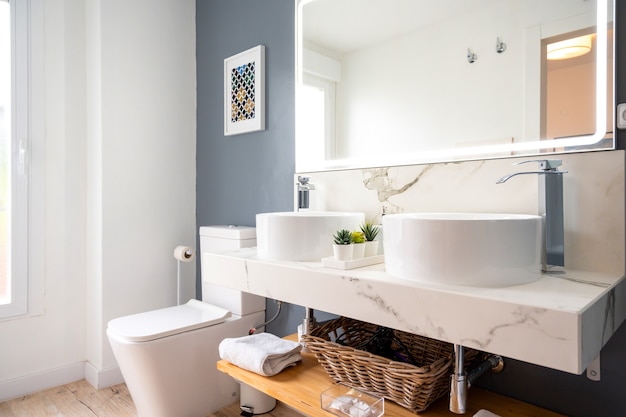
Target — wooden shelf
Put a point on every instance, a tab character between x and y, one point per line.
300	387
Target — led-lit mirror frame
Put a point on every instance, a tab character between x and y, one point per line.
526	148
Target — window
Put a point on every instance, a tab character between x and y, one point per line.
5	150
316	109
14	136
316	125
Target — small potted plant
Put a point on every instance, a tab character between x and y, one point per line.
342	248
358	241
371	244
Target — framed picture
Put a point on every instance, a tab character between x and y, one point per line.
244	95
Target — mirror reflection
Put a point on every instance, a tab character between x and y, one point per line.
391	82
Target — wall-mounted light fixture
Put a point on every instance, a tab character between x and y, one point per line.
570	48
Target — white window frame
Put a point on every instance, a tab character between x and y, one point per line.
328	87
26	161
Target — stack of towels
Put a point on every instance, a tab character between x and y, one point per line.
262	353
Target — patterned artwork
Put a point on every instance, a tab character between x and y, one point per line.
242	92
244	95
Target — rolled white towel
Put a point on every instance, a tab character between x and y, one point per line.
262	353
485	413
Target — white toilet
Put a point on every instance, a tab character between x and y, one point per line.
168	356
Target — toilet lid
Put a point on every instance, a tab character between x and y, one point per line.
164	322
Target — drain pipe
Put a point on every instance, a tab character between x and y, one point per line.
461	380
458	384
308	324
493	363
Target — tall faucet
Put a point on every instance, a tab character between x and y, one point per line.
551	211
303	192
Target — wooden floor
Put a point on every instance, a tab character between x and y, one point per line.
80	399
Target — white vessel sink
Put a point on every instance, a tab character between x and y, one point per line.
471	249
302	235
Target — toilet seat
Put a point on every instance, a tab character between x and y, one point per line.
155	324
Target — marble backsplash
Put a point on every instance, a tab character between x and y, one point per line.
594	198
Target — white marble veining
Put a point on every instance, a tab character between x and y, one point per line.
559	321
593	192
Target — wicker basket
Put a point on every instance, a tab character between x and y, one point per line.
413	387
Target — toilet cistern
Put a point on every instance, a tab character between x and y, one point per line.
550	209
167	356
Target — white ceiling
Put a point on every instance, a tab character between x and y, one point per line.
346	25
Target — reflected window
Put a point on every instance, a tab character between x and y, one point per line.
316	120
569	90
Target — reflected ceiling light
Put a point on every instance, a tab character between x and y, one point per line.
569	48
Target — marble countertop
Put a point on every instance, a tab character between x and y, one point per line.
560	321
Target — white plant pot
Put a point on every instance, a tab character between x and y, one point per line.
358	251
371	248
343	252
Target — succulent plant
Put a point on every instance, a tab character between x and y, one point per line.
369	231
342	237
357	237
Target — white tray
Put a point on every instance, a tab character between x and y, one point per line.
331	262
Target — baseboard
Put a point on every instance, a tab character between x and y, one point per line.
19	387
102	379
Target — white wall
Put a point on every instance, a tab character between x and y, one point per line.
458	102
147	138
119	183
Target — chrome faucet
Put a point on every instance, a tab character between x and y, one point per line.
551	211
303	192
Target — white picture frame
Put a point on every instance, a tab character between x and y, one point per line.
244	92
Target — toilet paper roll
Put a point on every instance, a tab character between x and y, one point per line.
183	253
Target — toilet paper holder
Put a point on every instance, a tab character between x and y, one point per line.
181	254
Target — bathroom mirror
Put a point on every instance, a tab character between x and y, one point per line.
396	82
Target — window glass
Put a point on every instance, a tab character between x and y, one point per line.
5	151
15	169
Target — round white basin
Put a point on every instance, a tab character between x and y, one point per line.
301	235
471	249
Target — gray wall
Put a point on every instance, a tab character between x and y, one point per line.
240	176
